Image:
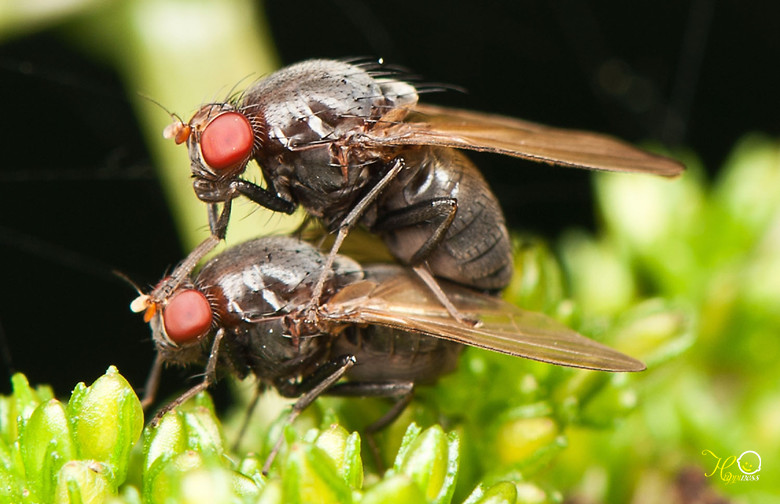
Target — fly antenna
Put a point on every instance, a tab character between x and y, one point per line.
142	302
178	130
172	114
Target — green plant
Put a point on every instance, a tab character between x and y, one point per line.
683	274
500	439
711	245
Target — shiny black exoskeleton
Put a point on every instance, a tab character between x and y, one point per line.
380	327
351	144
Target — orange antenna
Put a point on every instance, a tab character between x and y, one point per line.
178	130
143	303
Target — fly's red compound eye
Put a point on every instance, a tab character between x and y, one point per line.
227	141
187	316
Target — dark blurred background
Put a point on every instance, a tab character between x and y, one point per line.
78	195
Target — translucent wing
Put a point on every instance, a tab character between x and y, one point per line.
401	301
461	129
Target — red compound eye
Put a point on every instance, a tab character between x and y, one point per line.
227	141
187	316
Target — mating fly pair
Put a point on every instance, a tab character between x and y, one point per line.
352	145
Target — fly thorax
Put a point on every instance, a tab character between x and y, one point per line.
275	354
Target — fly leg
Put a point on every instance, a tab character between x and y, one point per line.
263	197
402	391
346	226
427	277
152	382
442	210
313	386
248	416
214	192
218	223
209	378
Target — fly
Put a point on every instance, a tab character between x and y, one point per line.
352	145
379	326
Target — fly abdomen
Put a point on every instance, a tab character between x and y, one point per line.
385	354
475	249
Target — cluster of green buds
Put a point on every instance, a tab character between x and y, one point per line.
502	437
184	461
87	451
77	452
711	247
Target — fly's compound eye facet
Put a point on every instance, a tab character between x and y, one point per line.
187	316
227	141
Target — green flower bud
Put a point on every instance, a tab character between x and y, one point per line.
602	281
45	444
244	487
129	495
611	403
654	331
82	482
161	443
538	281
252	467
11	474
191	478
528	493
651	219
522	439
10	461
204	433
188	478
193	426
310	475
643	211
214	485
752	169
344	450
24	396
272	493
500	493
394	490
430	459
17	408
106	419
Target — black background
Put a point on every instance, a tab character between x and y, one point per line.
78	196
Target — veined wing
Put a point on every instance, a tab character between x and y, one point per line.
401	301
462	129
